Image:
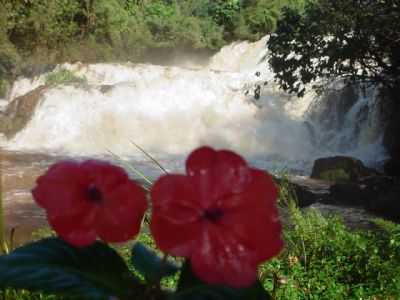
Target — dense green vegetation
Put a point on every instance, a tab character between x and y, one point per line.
34	32
63	76
325	260
322	259
358	41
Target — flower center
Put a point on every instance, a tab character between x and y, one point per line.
213	214
94	194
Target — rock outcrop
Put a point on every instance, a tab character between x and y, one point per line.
19	111
340	169
355	188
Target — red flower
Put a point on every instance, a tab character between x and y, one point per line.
221	215
87	199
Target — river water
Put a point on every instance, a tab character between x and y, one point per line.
230	102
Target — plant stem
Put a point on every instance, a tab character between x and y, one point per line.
3	244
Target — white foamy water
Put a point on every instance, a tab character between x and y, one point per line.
171	110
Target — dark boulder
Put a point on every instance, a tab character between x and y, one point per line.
349	194
340	169
377	194
391	167
305	190
391	137
382	196
20	111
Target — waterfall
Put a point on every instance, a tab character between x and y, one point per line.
232	102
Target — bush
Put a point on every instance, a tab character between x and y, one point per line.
42	24
45	32
111	20
325	260
63	76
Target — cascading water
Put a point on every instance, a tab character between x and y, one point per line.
170	110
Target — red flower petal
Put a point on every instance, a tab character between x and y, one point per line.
255	213
175	239
90	199
77	230
103	174
117	218
175	214
61	189
220	259
175	197
215	174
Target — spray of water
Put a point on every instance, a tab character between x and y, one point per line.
171	110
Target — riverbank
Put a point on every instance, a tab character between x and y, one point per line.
322	259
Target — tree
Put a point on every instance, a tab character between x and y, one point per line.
356	40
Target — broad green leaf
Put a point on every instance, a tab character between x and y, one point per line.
53	266
149	264
191	288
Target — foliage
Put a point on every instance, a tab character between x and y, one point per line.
347	265
53	266
354	40
63	76
42	32
325	260
38	25
9	57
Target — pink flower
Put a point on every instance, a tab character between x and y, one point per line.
222	216
90	199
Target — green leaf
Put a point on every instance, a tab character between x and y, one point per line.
191	288
149	264
53	266
215	292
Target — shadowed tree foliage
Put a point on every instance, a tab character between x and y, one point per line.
357	40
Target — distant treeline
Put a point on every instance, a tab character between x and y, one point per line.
42	31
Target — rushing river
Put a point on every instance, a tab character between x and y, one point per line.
230	102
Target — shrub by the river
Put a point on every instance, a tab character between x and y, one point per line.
63	76
325	260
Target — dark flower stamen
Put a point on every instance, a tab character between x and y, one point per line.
94	193
213	214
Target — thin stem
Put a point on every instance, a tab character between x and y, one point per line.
133	169
150	157
3	243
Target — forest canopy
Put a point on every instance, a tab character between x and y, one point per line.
41	31
356	40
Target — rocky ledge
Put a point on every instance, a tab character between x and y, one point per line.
344	186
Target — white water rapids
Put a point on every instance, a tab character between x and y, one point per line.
170	110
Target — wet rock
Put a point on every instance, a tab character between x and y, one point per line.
19	111
105	88
349	194
382	196
306	190
391	137
340	169
391	167
377	194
